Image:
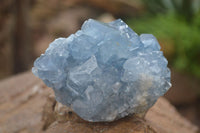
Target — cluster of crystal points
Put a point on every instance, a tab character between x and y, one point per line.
105	71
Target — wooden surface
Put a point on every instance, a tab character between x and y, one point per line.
28	106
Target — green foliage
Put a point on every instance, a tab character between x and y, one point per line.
185	38
185	8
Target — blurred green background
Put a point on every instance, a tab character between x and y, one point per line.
28	26
176	24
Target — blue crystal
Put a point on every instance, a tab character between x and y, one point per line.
105	71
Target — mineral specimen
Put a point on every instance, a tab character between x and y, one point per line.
105	71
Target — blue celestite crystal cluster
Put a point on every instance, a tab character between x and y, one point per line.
105	71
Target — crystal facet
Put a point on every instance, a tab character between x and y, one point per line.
105	71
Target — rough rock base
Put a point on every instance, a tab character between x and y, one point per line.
28	106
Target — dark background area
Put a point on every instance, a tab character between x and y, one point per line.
28	26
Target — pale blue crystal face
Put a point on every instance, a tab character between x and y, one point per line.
105	71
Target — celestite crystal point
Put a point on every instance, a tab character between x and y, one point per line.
105	71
